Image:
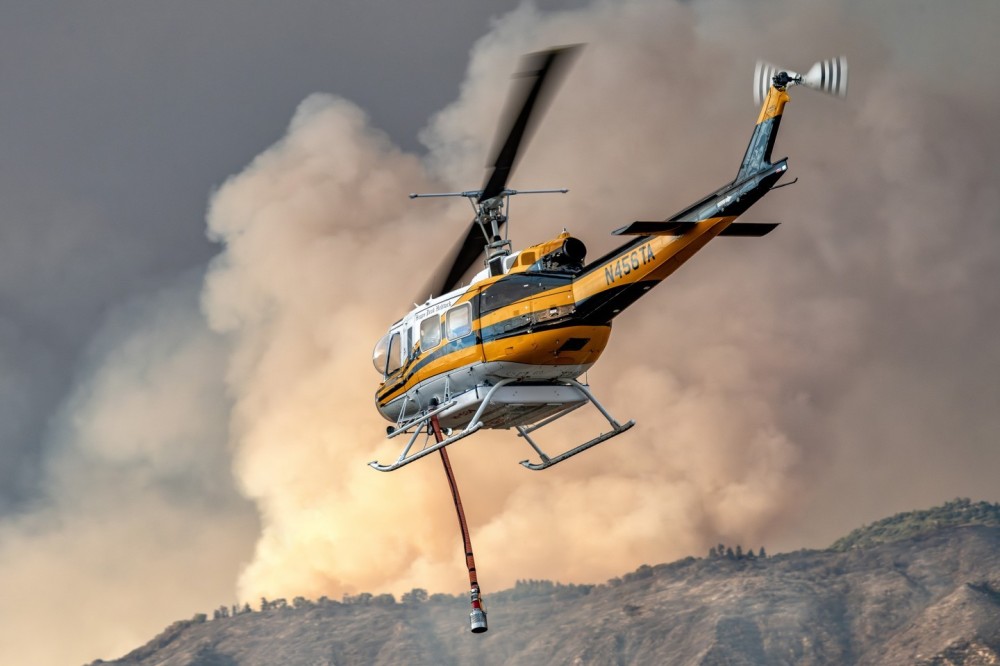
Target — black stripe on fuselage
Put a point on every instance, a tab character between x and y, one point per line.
607	304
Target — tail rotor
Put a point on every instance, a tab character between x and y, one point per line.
829	76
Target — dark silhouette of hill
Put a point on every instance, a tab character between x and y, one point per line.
917	588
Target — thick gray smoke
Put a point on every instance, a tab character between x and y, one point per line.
786	389
142	522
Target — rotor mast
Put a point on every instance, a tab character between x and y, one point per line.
490	215
531	91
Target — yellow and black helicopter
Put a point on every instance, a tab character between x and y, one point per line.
507	350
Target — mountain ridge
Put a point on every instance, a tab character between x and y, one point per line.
926	594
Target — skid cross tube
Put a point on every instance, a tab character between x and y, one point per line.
477	617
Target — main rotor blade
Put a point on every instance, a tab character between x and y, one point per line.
460	260
540	73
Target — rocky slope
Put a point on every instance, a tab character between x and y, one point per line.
930	594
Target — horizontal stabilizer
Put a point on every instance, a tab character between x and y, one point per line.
744	229
749	229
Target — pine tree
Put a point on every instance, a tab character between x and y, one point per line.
415	596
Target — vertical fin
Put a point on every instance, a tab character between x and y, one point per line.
758	155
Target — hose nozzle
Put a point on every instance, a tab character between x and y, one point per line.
477	618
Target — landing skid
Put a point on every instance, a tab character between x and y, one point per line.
616	429
420	425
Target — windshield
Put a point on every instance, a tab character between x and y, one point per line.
395	354
381	354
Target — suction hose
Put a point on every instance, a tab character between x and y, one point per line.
477	617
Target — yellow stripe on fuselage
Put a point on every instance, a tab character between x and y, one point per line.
652	260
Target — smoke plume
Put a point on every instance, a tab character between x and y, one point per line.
142	523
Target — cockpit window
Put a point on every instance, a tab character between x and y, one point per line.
381	354
388	355
459	321
430	332
395	354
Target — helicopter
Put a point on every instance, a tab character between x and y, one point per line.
508	349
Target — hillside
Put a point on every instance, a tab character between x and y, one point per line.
911	523
928	594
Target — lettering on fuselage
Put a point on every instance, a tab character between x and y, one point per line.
628	263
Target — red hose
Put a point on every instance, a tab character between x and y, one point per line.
470	560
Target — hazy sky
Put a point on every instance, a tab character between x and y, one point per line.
119	118
184	422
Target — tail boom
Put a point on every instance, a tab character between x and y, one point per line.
612	283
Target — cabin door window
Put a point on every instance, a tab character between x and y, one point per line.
430	332
459	321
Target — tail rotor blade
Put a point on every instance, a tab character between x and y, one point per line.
829	76
762	75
